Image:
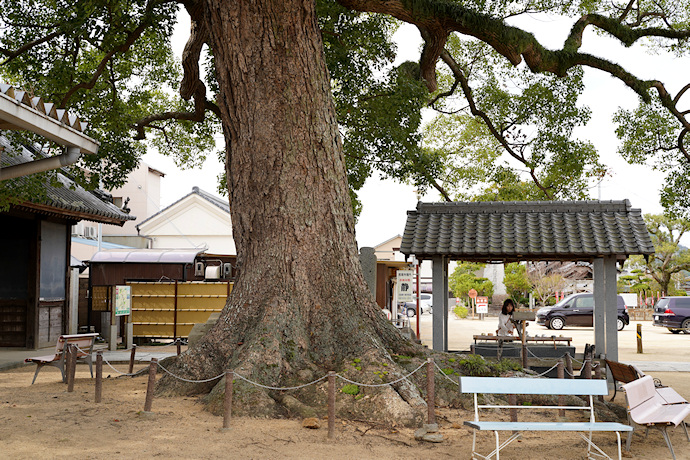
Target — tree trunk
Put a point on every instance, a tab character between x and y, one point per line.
300	306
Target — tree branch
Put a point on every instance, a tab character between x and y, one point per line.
13	54
460	76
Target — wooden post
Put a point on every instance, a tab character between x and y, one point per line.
179	346
331	404
587	369
639	338
597	375
430	392
512	400
560	369
227	403
131	359
99	376
68	361
472	349
523	337
153	367
569	366
72	368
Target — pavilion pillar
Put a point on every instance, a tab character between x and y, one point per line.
599	305
439	269
610	278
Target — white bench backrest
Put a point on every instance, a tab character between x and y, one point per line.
532	386
83	341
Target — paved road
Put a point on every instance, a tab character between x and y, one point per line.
663	351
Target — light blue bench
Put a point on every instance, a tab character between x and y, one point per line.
538	386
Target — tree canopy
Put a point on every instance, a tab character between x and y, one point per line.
670	259
506	105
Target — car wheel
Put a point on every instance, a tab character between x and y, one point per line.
410	312
675	331
686	326
556	323
620	324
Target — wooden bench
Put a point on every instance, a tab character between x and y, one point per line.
85	343
655	407
538	386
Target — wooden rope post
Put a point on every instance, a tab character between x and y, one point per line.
639	338
430	392
597	375
587	369
153	367
569	366
72	367
131	359
560	369
68	361
179	347
331	404
227	402
99	376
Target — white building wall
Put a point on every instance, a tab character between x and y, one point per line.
143	188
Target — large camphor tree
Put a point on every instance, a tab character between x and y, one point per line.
305	102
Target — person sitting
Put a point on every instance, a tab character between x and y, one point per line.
505	319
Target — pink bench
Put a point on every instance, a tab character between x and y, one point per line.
655	407
85	343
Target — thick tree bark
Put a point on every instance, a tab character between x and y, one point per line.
300	301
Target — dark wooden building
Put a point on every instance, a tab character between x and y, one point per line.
35	261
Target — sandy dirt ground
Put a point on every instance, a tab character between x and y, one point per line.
45	421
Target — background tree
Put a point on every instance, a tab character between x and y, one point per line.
517	283
670	258
545	286
300	305
464	278
637	281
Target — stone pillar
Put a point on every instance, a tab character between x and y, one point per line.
610	277
599	312
439	329
367	258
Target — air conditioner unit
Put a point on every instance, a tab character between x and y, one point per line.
90	232
78	229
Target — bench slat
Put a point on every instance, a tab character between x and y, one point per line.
548	426
528	386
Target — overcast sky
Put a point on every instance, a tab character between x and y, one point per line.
385	202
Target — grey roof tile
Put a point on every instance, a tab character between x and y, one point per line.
69	198
542	230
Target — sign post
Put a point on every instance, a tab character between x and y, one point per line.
403	289
123	307
482	306
473	295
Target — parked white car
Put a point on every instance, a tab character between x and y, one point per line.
425	306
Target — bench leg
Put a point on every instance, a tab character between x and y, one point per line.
664	433
38	368
685	427
597	451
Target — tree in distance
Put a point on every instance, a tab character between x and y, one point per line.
305	101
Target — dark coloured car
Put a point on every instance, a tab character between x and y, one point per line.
577	310
673	313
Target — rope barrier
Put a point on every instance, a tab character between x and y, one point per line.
444	374
279	388
191	381
381	384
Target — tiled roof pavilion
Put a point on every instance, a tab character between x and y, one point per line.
536	230
602	232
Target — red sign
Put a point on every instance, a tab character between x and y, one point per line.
472	293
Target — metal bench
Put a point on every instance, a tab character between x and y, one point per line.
537	386
85	343
655	407
625	373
